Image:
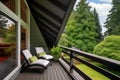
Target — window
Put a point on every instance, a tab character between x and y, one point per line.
8	44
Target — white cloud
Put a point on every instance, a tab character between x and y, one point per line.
102	10
108	1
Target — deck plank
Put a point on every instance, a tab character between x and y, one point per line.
53	72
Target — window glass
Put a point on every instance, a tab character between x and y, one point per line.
8	44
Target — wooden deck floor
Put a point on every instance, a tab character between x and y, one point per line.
53	72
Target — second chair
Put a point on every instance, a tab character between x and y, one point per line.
42	54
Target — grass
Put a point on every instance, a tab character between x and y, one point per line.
117	72
94	75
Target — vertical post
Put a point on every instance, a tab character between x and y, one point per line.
71	61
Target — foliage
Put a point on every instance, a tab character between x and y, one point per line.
10	36
113	21
63	40
81	28
56	52
110	47
99	37
2	31
3	22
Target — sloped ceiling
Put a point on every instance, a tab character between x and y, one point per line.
51	17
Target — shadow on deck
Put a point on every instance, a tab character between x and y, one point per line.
53	72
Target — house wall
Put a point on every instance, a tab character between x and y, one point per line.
16	15
33	40
36	38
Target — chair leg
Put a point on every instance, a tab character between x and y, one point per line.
24	68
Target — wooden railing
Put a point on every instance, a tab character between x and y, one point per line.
111	64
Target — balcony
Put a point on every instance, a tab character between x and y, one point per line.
53	72
47	22
65	69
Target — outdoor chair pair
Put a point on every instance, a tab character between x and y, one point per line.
42	59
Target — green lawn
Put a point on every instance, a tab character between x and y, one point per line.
91	73
117	72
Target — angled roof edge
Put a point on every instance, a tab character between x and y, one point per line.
66	17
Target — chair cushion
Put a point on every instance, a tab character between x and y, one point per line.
48	57
41	62
41	54
33	59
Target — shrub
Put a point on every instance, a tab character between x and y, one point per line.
56	52
110	47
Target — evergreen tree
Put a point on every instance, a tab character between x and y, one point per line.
98	29
113	21
70	29
81	29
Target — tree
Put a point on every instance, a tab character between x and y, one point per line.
98	29
3	24
10	36
70	29
63	40
81	29
109	47
113	21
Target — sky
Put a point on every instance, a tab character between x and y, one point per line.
102	7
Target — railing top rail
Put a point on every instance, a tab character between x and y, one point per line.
94	57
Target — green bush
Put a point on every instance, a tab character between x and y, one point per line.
110	47
56	52
63	40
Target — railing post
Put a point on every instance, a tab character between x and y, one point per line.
71	61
